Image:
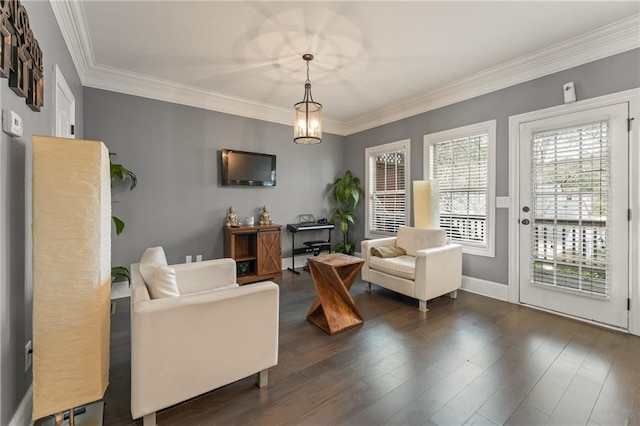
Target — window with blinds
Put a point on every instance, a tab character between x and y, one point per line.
460	167
462	160
386	188
570	191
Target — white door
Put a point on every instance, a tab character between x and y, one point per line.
574	229
65	108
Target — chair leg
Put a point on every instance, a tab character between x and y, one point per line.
453	295
422	305
369	287
263	378
149	419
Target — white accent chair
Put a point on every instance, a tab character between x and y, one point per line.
212	334
431	267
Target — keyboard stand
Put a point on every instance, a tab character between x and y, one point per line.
297	227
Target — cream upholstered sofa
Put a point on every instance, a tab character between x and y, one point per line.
430	268
212	333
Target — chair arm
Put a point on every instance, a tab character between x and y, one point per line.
207	275
438	271
365	249
184	346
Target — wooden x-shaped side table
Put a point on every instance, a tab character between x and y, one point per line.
334	309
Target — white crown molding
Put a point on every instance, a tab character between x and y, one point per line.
73	25
609	40
72	22
116	80
606	41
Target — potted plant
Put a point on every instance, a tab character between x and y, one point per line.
120	174
347	193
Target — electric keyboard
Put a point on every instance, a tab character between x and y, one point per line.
308	226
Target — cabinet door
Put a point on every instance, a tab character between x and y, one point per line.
269	255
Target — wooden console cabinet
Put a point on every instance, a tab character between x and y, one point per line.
256	250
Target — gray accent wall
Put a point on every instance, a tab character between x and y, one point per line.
610	75
16	286
174	150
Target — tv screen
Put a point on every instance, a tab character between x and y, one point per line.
248	168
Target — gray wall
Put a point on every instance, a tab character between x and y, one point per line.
175	152
16	287
179	203
609	75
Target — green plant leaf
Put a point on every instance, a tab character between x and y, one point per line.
349	247
119	224
339	247
122	174
120	272
347	193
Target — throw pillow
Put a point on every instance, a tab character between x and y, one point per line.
414	239
160	280
387	251
154	255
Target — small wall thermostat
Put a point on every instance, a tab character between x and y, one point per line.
569	92
12	123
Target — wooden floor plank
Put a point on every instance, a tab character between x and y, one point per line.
579	399
526	415
399	398
429	402
470	361
548	391
614	405
512	393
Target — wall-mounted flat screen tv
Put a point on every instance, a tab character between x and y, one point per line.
248	168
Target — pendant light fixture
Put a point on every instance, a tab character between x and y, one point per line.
307	128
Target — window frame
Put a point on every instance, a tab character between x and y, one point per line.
488	128
391	147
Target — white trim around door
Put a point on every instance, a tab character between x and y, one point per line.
65	107
633	98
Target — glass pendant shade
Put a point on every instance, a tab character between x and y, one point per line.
307	128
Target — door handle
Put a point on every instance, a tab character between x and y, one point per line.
525	221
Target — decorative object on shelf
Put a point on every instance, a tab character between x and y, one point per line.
71	277
232	218
249	220
20	54
242	268
264	217
347	192
307	127
426	204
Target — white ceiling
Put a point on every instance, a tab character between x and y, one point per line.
375	61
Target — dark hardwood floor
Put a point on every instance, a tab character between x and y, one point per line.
473	360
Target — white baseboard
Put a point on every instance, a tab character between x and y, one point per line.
485	288
22	417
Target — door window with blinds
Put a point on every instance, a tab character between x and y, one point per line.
462	161
387	180
570	199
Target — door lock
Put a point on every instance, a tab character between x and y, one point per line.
525	209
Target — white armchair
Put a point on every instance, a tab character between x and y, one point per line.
213	333
430	268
